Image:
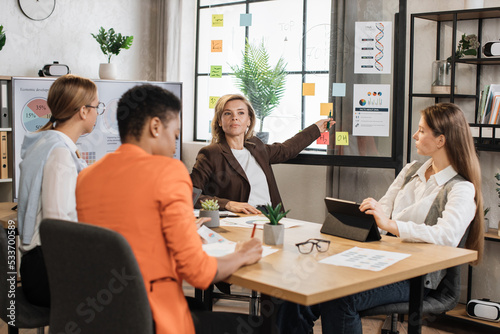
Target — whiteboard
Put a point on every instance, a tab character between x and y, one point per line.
30	112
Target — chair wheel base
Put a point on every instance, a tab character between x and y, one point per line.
390	325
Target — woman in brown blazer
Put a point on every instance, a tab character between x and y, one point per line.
236	168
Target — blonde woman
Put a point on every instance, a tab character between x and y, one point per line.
49	168
236	168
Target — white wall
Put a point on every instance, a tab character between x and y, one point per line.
65	37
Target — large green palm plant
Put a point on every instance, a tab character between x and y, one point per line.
2	37
262	84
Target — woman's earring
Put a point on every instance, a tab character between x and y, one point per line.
156	134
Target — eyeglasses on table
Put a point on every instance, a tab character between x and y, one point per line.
306	247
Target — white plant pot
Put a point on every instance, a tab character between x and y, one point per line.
274	234
107	71
471	4
214	215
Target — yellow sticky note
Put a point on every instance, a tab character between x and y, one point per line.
216	45
217	20
342	138
326	109
212	100
324	139
308	89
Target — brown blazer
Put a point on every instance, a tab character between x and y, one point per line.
221	177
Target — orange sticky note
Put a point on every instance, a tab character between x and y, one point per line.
324	139
325	109
342	138
212	100
308	89
217	20
216	45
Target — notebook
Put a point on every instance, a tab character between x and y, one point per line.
345	220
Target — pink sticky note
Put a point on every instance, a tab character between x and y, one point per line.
324	139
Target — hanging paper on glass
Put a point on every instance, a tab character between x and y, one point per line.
371	110
373	47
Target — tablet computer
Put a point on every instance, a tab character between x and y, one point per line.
196	195
344	219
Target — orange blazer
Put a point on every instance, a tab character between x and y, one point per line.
148	199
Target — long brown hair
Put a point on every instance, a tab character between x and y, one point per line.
449	120
217	132
66	96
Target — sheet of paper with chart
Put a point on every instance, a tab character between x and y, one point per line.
249	221
363	258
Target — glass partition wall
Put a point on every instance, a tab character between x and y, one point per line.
341	57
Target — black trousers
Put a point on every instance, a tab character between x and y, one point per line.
34	277
207	322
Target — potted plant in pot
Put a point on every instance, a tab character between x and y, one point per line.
3	38
262	84
111	43
210	208
274	232
441	69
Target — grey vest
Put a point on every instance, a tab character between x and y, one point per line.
432	280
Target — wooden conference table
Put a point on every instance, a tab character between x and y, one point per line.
300	278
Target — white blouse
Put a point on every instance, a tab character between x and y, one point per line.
259	188
409	206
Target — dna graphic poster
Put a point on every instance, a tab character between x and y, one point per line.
373	47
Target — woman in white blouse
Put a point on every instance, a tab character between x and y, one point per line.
49	168
437	202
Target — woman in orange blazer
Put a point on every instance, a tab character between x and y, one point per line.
145	194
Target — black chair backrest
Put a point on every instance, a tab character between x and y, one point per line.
6	278
95	282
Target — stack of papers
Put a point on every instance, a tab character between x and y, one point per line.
216	245
249	221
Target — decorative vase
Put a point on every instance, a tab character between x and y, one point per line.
107	71
263	136
213	214
441	77
486	225
471	4
274	234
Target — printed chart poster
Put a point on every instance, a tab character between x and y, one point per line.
373	51
31	112
371	110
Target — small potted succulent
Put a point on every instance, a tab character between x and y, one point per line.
2	37
111	43
274	231
210	208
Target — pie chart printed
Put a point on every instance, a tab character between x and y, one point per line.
36	114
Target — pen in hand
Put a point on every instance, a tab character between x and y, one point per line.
253	230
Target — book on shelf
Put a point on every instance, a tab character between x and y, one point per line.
482	103
489	114
4	166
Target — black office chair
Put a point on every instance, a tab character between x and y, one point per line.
438	301
95	282
27	315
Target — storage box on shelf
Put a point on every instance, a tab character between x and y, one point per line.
487	136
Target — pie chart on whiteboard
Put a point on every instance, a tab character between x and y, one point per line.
35	114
